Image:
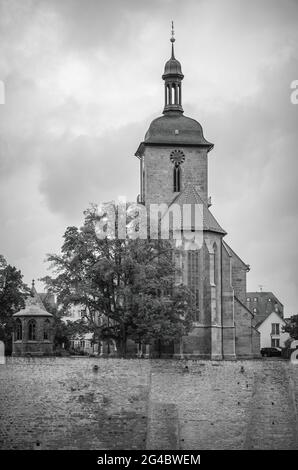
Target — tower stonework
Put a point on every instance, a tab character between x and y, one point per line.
174	170
157	168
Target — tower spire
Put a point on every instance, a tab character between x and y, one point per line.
173	76
173	40
32	290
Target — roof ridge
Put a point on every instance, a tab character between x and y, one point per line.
269	314
237	256
191	196
33	306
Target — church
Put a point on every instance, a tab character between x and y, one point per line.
173	160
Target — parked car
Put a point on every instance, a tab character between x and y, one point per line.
270	352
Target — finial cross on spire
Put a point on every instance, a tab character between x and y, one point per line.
173	40
173	33
173	76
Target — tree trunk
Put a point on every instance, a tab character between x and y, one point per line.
159	348
123	341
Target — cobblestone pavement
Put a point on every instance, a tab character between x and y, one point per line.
63	403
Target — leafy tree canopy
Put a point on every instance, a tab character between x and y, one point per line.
13	292
292	327
124	288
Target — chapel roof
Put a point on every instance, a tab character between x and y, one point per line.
33	306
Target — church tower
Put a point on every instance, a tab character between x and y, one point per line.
174	170
174	151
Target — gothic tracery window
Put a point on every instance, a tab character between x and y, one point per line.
215	263
193	277
46	330
19	330
32	330
177	157
177	178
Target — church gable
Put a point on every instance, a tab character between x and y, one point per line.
190	196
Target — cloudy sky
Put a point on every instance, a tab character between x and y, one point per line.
82	84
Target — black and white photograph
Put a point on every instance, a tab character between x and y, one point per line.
148	231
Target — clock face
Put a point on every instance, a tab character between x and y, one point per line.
177	157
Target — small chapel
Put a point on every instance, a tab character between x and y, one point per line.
33	334
173	160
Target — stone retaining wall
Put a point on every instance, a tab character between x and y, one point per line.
63	403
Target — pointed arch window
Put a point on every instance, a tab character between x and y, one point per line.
215	263
177	157
19	330
193	279
32	330
46	330
177	178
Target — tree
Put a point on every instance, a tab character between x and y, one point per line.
292	327
13	292
64	331
125	288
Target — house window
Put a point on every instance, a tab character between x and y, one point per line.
269	300
46	330
275	343
32	330
255	299
254	310
248	299
19	330
275	328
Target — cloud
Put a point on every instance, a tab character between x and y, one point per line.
83	81
84	169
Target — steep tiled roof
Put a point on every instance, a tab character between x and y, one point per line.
34	307
262	321
191	196
264	295
265	304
